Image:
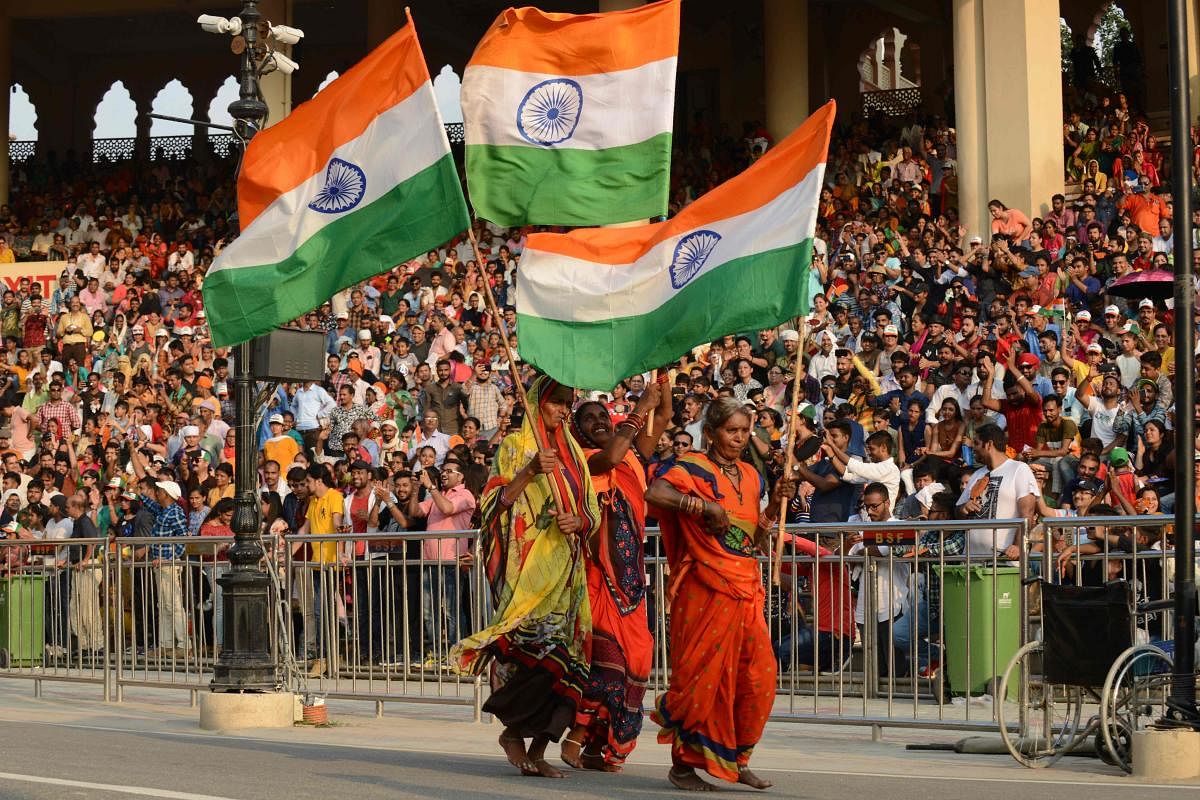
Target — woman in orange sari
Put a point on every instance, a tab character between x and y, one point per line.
722	664
610	714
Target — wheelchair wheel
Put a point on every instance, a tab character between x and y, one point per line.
1134	695
1047	715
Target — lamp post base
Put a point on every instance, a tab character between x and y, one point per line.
247	662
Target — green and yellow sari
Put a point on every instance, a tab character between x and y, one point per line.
538	637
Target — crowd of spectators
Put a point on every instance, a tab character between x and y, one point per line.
946	372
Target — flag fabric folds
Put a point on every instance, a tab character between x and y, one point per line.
568	117
595	306
351	183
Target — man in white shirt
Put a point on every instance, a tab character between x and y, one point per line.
181	260
1003	488
961	389
881	468
891	576
92	262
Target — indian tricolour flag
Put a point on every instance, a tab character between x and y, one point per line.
568	117
350	184
595	306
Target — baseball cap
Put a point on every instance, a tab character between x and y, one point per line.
1029	360
204	381
976	240
1146	303
1118	456
1095	347
1029	272
1112	311
161	332
171	488
137	329
186	330
275	418
360	464
1088	485
189	430
129	495
1033	311
364	334
1084	316
114	483
11	526
890	330
343	315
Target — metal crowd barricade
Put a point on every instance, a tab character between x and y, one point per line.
167	619
374	615
55	609
884	663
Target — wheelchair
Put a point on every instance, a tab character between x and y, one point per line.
1085	656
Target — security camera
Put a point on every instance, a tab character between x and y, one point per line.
286	35
213	24
284	64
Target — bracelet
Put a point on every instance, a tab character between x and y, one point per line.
635	420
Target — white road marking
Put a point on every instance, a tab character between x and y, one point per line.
137	791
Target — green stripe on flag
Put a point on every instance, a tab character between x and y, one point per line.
512	185
748	293
415	216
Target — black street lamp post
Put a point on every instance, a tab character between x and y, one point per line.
246	661
1182	702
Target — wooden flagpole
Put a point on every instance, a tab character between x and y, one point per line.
518	388
790	461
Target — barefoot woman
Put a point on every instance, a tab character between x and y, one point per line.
533	551
722	665
610	716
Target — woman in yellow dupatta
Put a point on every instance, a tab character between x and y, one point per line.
539	508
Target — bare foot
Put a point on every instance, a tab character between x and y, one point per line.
596	761
686	778
537	755
745	776
514	749
572	747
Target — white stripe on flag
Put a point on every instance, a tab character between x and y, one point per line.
559	287
619	108
396	145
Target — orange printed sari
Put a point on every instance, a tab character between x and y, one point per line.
621	645
722	664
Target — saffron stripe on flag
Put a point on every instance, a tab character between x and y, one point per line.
532	40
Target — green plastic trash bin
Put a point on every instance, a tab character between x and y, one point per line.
22	632
990	601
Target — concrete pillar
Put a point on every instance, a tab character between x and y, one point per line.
277	87
6	86
970	115
384	17
1167	755
1023	64
1008	106
785	82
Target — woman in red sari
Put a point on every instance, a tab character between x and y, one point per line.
610	715
722	663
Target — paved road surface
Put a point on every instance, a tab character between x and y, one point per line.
66	746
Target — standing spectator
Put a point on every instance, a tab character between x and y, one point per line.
1003	488
448	507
